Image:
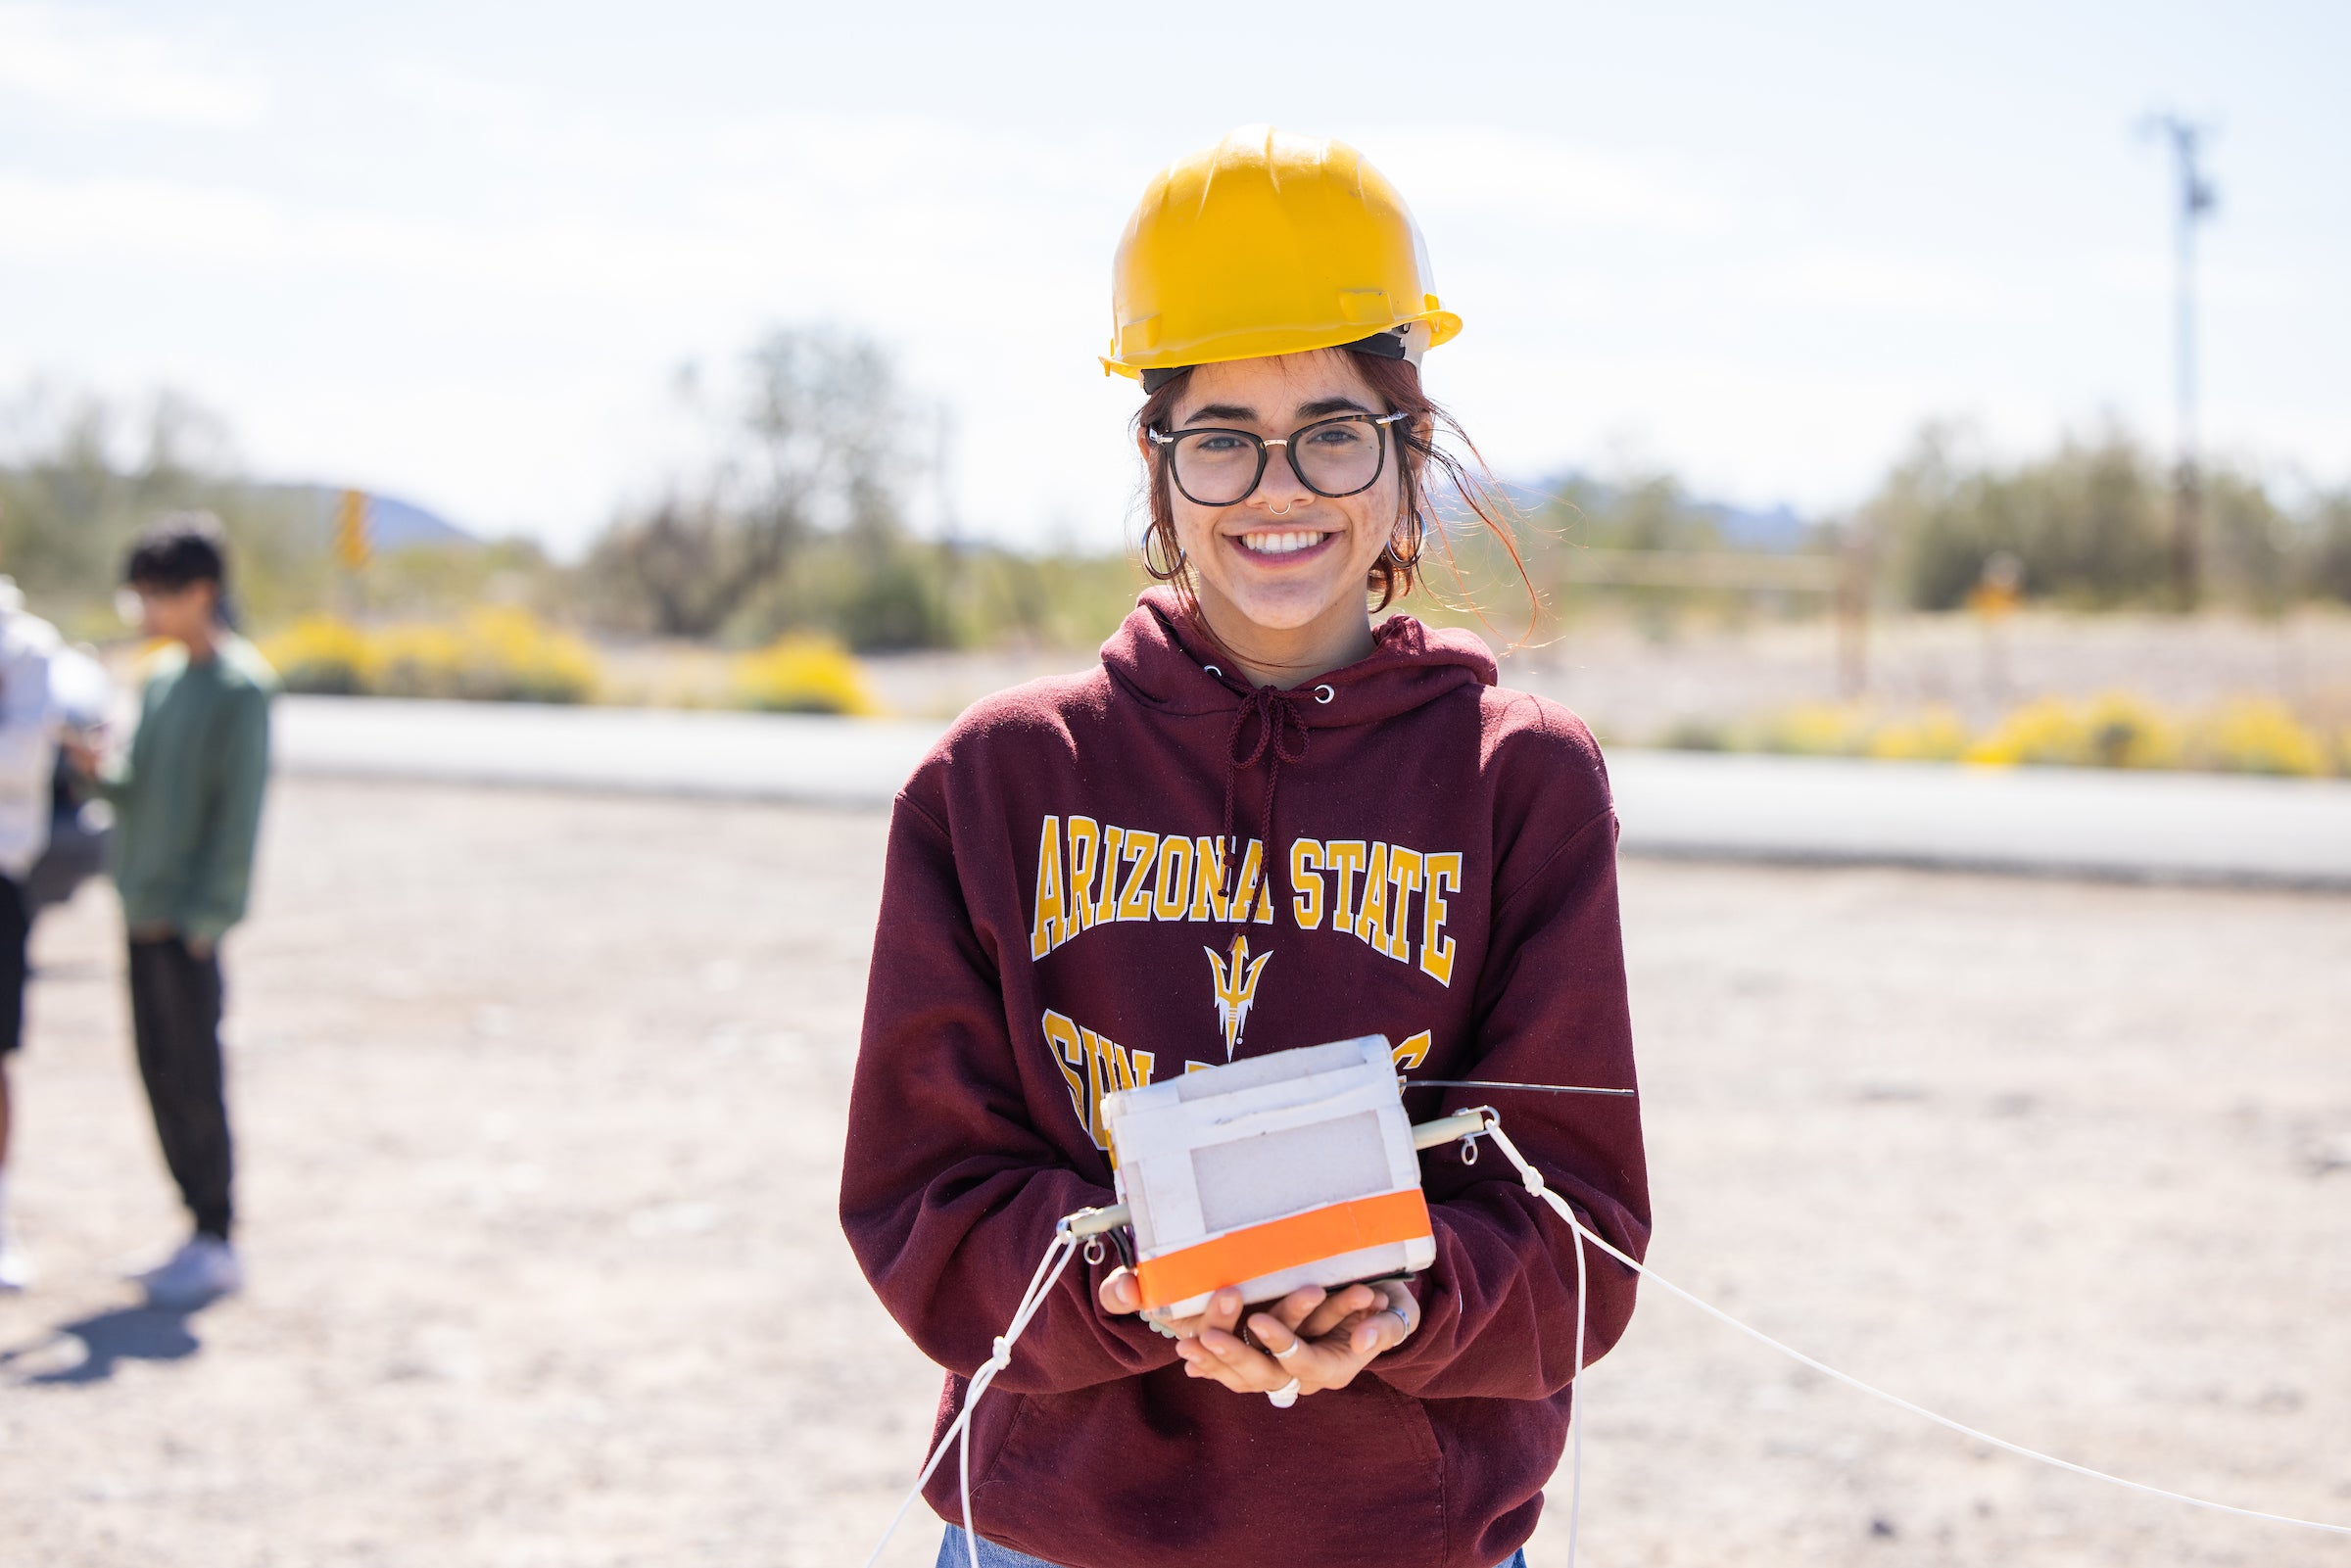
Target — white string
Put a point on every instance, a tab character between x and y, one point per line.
1575	1402
1534	1184
1049	1273
1575	1397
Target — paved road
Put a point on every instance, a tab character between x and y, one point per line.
2180	826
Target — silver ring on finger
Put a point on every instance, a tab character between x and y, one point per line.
1285	1396
1296	1345
1401	1321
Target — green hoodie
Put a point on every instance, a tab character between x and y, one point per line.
188	797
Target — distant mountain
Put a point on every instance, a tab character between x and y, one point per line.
392	523
396	524
1744	528
1777	528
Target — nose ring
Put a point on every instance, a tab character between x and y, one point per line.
1278	512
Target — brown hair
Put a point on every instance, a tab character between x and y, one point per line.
1396	383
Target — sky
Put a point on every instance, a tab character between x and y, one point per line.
459	254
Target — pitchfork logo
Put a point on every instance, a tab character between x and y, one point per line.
1237	989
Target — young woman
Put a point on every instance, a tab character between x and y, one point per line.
1263	823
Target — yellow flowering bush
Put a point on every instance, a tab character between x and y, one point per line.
1938	735
2115	731
320	653
802	675
2128	732
2040	731
2249	735
415	661
2259	735
1847	730
492	655
1816	729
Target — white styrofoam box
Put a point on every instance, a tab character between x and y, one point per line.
1204	1157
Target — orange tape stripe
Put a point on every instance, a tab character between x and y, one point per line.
1279	1243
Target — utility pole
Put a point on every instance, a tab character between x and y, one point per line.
2196	199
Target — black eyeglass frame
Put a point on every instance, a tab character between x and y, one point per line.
1166	440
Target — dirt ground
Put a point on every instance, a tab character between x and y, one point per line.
541	1103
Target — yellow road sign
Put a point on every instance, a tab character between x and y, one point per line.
350	529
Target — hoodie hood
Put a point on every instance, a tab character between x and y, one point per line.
1161	659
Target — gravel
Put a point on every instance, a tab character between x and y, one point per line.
541	1099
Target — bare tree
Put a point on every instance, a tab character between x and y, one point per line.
813	446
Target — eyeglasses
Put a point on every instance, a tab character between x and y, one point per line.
1332	457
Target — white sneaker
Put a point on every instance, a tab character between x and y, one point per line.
204	1270
15	1269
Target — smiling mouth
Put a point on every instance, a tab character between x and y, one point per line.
1278	544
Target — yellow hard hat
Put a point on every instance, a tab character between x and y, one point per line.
1266	244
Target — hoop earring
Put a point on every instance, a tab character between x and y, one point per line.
1405	542
1172	569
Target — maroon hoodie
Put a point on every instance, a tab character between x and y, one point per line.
1055	926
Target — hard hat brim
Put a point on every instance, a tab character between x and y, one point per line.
1443	328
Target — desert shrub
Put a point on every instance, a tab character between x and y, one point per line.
1834	729
2115	731
1690	734
2087	523
802	675
518	658
491	655
1814	730
2252	550
2045	732
321	654
2326	564
2256	735
1938	735
420	660
2250	735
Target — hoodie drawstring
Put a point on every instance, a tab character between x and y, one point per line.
1281	737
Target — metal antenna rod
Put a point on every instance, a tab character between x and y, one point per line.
1539	1089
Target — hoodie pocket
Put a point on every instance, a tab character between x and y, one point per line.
989	1445
1418	1435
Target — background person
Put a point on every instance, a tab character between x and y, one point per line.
1255	769
187	803
81	700
29	645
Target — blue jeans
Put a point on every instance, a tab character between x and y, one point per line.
951	1554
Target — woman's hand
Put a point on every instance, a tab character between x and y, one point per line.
1121	1293
1335	1340
1319	1338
